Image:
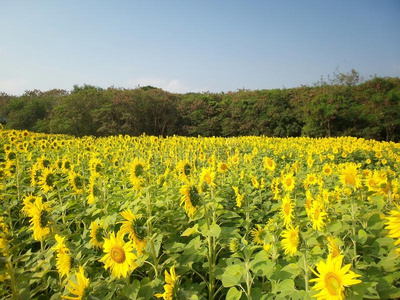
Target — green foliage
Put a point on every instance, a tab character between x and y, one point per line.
342	106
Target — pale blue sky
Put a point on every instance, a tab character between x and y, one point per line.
184	46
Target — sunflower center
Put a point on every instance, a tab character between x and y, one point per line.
308	203
287	208
99	234
350	179
224	167
333	283
288	181
207	179
43	218
11	155
46	163
67	165
186	169
371	182
118	254
98	168
194	196
139	170
78	182
316	213
50	179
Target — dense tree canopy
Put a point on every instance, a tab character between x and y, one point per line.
342	106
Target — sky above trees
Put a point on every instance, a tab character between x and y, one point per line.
184	46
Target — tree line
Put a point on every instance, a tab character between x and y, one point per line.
343	105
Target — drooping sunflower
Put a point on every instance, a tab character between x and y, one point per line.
96	167
47	180
287	210
39	213
80	288
190	198
349	176
137	174
239	197
28	203
96	234
63	257
76	182
259	235
119	256
333	278
184	170
333	247
134	225
290	240
288	182
318	215
171	286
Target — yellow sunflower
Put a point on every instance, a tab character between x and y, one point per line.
318	215
28	203
222	167
96	234
259	235
119	256
208	177
255	182
184	170
190	198
137	174
79	288
327	170
333	247
269	164
134	225
76	182
96	167
349	176
290	240
239	197
39	213
171	286
287	210
288	182
393	224
333	278
47	180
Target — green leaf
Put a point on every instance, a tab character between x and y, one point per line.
335	226
362	236
190	231
131	290
215	230
233	275
233	294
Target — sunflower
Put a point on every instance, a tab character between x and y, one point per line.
349	176
222	167
234	245
80	288
259	235
171	286
96	167
47	180
11	168
333	278
119	256
333	247
275	187
290	240
96	234
239	197
288	182
327	170
191	198
91	197
134	225
208	177
311	179
269	164
39	213
287	210
138	168
63	257
393	224
318	215
184	170
35	174
255	182
28	202
76	182
309	201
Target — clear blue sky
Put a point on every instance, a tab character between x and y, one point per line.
184	46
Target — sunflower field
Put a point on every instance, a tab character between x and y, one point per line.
198	218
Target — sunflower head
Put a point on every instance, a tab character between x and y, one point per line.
190	198
290	240
97	234
47	180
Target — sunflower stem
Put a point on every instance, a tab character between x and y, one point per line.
60	199
353	223
211	286
150	230
14	289
305	270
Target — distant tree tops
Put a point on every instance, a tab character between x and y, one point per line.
343	105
